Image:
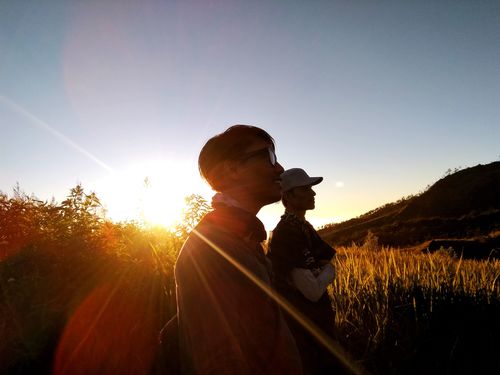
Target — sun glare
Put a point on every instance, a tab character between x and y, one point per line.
151	192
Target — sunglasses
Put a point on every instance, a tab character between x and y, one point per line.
267	151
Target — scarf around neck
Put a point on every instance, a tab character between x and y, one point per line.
229	215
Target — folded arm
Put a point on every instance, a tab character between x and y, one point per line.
312	287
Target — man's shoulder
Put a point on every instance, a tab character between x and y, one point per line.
287	222
286	238
196	242
289	226
203	239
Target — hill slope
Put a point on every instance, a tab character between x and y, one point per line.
461	205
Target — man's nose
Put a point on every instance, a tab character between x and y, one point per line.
279	168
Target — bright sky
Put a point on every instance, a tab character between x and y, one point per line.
379	97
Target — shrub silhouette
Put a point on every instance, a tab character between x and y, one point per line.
53	257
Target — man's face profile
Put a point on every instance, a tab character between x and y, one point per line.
257	175
302	198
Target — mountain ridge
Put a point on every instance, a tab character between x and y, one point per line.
462	204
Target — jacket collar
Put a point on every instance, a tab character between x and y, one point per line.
292	216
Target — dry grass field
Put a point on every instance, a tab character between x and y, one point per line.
403	311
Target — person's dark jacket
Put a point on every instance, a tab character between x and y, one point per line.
227	325
296	244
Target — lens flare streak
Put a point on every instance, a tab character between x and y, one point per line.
43	125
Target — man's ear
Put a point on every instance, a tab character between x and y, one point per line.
230	170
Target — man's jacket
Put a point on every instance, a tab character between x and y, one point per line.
295	244
227	325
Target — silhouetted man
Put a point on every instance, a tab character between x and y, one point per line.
227	324
303	269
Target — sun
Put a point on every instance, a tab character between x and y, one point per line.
151	192
161	201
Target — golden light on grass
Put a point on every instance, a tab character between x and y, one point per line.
378	279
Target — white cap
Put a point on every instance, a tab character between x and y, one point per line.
295	177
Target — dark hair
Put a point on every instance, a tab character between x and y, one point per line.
228	145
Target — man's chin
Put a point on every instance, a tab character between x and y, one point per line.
275	199
272	198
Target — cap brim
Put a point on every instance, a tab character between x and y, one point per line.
315	180
308	181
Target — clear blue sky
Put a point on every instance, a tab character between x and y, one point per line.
379	97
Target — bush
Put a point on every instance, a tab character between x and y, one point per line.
54	258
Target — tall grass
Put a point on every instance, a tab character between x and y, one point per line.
388	302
